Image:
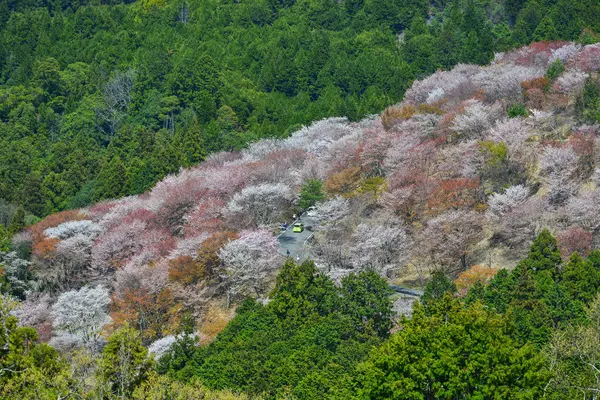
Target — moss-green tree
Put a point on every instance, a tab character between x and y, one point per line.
460	353
311	193
544	254
124	364
545	31
438	285
113	180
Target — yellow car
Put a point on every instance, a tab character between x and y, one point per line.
298	227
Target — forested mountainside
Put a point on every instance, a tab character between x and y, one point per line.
482	183
101	100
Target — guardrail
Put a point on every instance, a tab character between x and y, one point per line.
407	291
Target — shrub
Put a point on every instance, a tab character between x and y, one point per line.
517	110
555	69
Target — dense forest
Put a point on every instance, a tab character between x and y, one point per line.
482	187
150	151
103	100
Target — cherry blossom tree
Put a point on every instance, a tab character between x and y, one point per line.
588	59
117	245
178	203
261	204
249	263
82	313
320	135
72	228
571	82
331	210
447	240
398	154
462	160
521	223
454	84
501	203
17	273
476	119
514	133
383	247
503	82
34	311
161	346
559	168
574	240
584	210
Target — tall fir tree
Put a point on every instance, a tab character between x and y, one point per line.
113	180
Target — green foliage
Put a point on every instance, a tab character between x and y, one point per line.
305	342
5	239
498	291
591	100
582	277
29	369
460	352
555	70
311	193
540	295
544	254
124	364
113	180
496	152
574	355
17	222
161	387
436	288
517	110
545	31
211	77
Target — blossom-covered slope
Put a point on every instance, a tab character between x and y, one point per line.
466	170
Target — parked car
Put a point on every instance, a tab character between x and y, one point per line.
298	227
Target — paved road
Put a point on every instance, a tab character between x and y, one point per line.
296	244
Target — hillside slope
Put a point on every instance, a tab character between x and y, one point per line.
93	93
467	170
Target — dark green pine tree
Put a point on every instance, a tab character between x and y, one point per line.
365	297
17	222
581	278
512	8
529	314
300	291
438	285
545	31
562	308
113	180
543	254
449	44
311	193
519	33
568	17
498	291
190	144
32	195
470	50
4	241
528	20
476	292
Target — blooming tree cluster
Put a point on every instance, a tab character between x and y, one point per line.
474	158
82	313
249	262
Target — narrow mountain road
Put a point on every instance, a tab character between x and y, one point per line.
295	243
